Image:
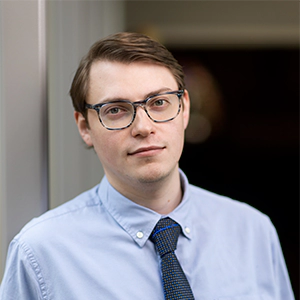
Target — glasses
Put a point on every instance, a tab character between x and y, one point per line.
120	114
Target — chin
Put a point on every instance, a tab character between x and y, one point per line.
152	175
150	179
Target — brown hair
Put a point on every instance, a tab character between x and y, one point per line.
126	48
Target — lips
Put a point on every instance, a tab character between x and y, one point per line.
147	150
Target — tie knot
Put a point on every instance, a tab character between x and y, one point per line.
165	235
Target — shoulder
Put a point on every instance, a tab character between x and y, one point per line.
61	218
235	225
229	212
44	241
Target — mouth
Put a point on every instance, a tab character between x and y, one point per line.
147	151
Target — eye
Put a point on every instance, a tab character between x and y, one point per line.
113	110
116	111
158	102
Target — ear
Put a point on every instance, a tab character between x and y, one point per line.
186	108
83	128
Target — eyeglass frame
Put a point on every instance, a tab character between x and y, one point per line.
135	104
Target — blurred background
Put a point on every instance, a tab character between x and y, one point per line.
241	60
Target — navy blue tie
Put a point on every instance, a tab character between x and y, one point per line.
165	236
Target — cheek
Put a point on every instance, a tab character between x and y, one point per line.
177	140
107	147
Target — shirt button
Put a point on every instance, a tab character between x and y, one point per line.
187	230
140	235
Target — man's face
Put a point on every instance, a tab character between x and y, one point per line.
145	152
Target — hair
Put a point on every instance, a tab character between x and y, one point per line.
125	48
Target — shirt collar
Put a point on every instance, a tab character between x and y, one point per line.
182	213
139	221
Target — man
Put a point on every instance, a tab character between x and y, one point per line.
118	240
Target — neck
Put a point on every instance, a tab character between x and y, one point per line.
162	196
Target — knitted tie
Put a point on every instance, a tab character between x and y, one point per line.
165	236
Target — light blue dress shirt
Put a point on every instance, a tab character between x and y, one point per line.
96	247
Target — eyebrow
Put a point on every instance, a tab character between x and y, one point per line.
155	92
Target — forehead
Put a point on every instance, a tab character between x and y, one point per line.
133	80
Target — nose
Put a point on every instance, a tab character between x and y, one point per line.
142	124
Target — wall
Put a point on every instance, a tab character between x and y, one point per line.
23	117
207	24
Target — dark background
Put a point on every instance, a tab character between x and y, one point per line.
255	158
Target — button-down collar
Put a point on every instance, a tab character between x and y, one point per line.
139	221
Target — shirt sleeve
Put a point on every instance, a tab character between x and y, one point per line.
281	277
22	278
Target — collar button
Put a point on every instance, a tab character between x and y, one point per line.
187	230
139	235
